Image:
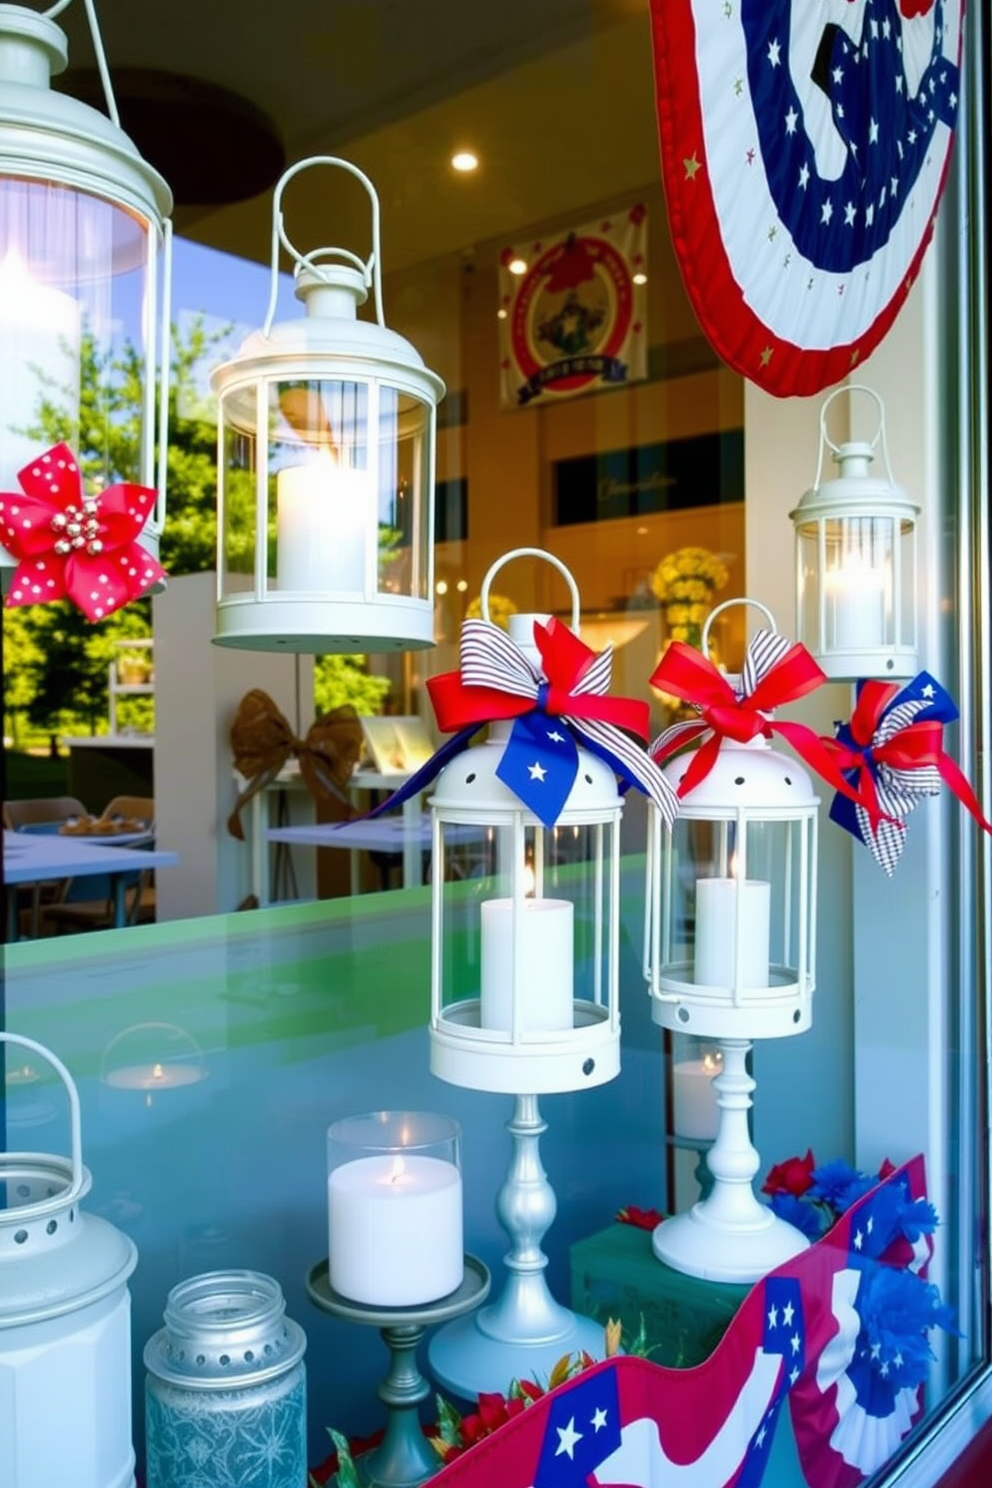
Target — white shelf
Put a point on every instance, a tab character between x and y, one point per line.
116	688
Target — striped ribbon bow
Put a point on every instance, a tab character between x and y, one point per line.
552	714
776	670
892	751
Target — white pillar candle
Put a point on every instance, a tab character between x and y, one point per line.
325	518
39	362
395	1229
544	933
695	1114
856	600
717	958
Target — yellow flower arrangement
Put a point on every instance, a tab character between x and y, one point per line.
500	609
685	582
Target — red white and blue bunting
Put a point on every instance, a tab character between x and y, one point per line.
804	151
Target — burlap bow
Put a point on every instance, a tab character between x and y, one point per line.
262	742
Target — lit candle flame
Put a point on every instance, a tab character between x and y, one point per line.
157	1072
712	1062
398	1172
530	880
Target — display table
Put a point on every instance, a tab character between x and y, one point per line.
615	1273
28	859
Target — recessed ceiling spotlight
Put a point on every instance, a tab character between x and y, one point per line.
462	585
639	278
517	266
464	161
501	314
441	587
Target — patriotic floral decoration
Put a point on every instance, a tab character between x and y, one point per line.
892	752
553	710
776	671
813	1198
73	546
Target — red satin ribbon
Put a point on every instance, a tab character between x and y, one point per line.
565	659
914	747
688	674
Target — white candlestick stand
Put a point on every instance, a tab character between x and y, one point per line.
729	1235
525	1331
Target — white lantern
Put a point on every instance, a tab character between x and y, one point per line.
65	1322
856	563
524	1001
326	466
84	274
730	948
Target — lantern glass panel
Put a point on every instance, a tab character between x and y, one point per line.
78	294
525	924
320	487
734	909
862	567
404	473
239	475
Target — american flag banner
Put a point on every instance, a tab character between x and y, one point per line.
804	152
809	1333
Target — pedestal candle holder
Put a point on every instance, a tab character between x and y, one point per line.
525	1331
404	1458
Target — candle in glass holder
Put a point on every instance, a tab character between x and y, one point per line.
395	1211
716	955
323	519
856	595
695	1113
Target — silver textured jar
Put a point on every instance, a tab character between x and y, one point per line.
225	1394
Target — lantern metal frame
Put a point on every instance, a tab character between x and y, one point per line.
856	561
52	140
63	1296
327	346
729	1235
525	1328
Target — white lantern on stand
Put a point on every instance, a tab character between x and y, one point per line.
84	272
524	984
326	466
65	1322
730	950
856	600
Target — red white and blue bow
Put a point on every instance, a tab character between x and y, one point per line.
892	752
776	671
552	714
74	546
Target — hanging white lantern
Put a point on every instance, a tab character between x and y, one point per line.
84	274
856	600
730	949
65	1321
326	466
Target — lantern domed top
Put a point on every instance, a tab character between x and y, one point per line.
752	777
51	136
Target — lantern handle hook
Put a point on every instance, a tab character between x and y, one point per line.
100	55
75	1129
565	572
725	605
370	268
879	435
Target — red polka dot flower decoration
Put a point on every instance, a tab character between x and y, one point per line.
73	546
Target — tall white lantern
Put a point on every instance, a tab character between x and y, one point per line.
730	953
524	998
326	466
84	274
856	597
65	1321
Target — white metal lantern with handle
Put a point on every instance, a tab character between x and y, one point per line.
856	599
730	952
84	274
65	1321
326	465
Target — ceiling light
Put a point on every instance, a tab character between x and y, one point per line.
462	585
501	314
517	266
441	586
464	161
639	278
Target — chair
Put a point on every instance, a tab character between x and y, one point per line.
96	911
43	809
132	808
39	814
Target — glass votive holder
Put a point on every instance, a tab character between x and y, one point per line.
695	1065
394	1200
225	1390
